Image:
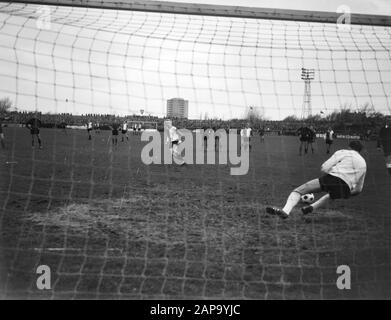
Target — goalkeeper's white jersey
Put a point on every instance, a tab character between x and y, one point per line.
349	166
124	126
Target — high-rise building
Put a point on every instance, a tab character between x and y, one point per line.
177	108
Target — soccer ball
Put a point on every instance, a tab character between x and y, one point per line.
308	198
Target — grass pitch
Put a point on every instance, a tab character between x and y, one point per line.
111	227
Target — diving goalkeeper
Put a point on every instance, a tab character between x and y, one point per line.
343	176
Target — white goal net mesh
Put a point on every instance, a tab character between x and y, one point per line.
111	227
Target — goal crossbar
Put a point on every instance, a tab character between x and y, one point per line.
218	10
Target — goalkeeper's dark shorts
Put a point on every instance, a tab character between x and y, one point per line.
174	142
336	187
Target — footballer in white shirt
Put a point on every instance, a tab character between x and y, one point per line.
89	129
124	131
245	137
329	136
174	140
343	175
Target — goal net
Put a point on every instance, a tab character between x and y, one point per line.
109	226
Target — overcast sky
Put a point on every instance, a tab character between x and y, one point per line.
121	62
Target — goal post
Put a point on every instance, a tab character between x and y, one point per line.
172	7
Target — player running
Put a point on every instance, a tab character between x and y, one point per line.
89	129
329	139
174	140
311	138
34	124
97	127
114	133
124	131
245	137
261	132
384	142
304	134
343	176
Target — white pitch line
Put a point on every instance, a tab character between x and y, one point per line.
57	249
71	249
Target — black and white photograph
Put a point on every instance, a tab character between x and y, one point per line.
195	150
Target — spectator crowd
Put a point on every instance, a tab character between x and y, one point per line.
365	127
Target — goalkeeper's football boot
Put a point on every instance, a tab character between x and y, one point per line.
307	209
277	212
